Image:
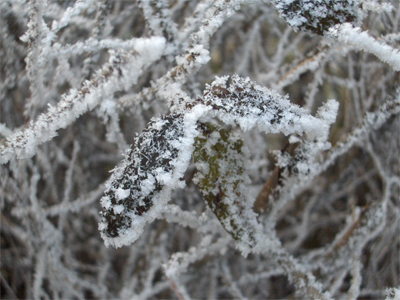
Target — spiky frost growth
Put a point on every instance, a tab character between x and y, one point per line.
248	104
153	166
122	70
318	16
136	190
328	220
148	165
360	40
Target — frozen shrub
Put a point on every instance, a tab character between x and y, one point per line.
206	149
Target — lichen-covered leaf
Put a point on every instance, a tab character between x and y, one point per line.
220	157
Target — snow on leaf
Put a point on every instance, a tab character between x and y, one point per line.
147	167
155	164
247	104
139	188
318	16
220	158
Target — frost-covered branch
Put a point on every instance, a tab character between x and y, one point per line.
111	78
362	41
195	56
241	176
35	37
160	155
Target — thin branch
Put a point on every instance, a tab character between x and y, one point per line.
122	70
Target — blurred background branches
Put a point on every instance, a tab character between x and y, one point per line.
100	70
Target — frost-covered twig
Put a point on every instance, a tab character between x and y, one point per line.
69	14
35	37
88	45
179	262
372	121
189	185
310	64
174	214
179	289
232	286
195	56
119	73
360	40
40	273
356	281
159	20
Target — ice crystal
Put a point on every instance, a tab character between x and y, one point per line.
247	104
137	184
318	16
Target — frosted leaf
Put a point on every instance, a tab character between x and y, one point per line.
318	16
148	165
138	190
248	105
220	158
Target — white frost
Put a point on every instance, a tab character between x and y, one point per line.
361	40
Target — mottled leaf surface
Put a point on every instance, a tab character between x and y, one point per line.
135	186
221	157
318	16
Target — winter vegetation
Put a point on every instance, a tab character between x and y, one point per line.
205	149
